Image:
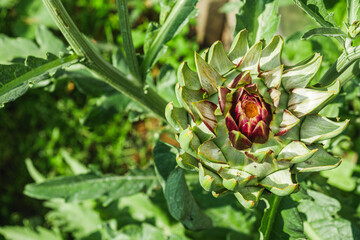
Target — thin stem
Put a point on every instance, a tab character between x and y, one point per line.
269	216
127	39
339	70
93	60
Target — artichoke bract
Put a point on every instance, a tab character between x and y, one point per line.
247	123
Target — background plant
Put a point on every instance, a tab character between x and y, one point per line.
44	125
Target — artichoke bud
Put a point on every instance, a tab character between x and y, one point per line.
354	29
249	124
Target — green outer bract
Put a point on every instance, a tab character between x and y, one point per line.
296	129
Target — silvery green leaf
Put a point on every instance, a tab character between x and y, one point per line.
189	142
234	179
296	152
203	132
187	77
209	151
209	78
186	96
206	110
260	156
317	128
279	182
234	157
275	96
320	161
288	122
218	59
270	56
249	196
272	77
251	59
209	180
305	100
239	46
300	76
186	161
261	170
272	144
176	117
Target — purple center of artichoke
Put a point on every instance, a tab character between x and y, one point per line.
249	118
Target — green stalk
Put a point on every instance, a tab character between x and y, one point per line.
93	60
269	216
127	39
343	69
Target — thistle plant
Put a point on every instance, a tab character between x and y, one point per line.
248	123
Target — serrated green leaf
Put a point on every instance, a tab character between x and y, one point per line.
16	78
12	48
322	219
48	42
342	176
330	229
90	186
79	219
21	233
260	18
